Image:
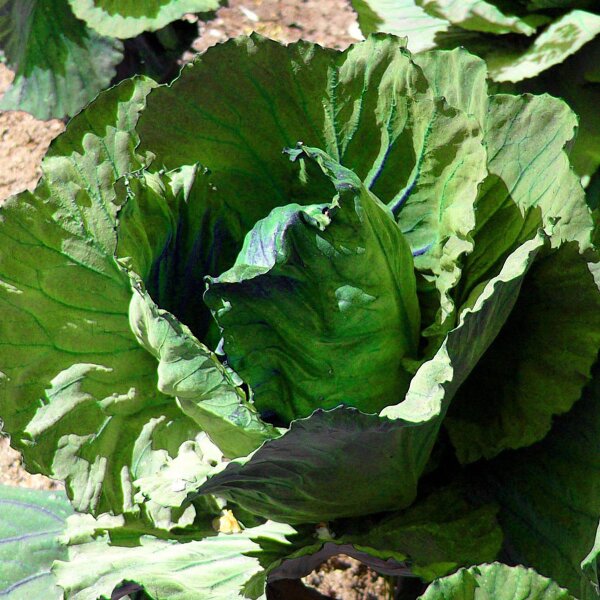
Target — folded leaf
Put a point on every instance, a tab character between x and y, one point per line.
59	64
205	390
129	18
31	525
312	287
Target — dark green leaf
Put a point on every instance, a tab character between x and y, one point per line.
550	496
312	287
318	455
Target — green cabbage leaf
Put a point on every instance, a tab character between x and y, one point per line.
548	46
126	19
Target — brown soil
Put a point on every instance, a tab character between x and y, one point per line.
24	140
13	473
327	22
348	579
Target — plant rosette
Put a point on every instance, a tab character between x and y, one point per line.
316	300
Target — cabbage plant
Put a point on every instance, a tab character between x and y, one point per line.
540	45
64	52
303	302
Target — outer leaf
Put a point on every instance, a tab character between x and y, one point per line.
215	568
169	487
526	137
435	535
497	581
477	15
164	490
400	17
557	481
78	391
322	451
525	393
526	189
460	78
31	523
538	365
560	40
89	351
575	82
431	538
59	64
128	18
525	177
312	287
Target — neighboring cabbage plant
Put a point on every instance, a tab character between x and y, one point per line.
63	52
303	302
542	45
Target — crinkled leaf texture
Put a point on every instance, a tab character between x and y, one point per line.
219	567
312	287
32	523
59	64
497	581
553	49
91	366
128	18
